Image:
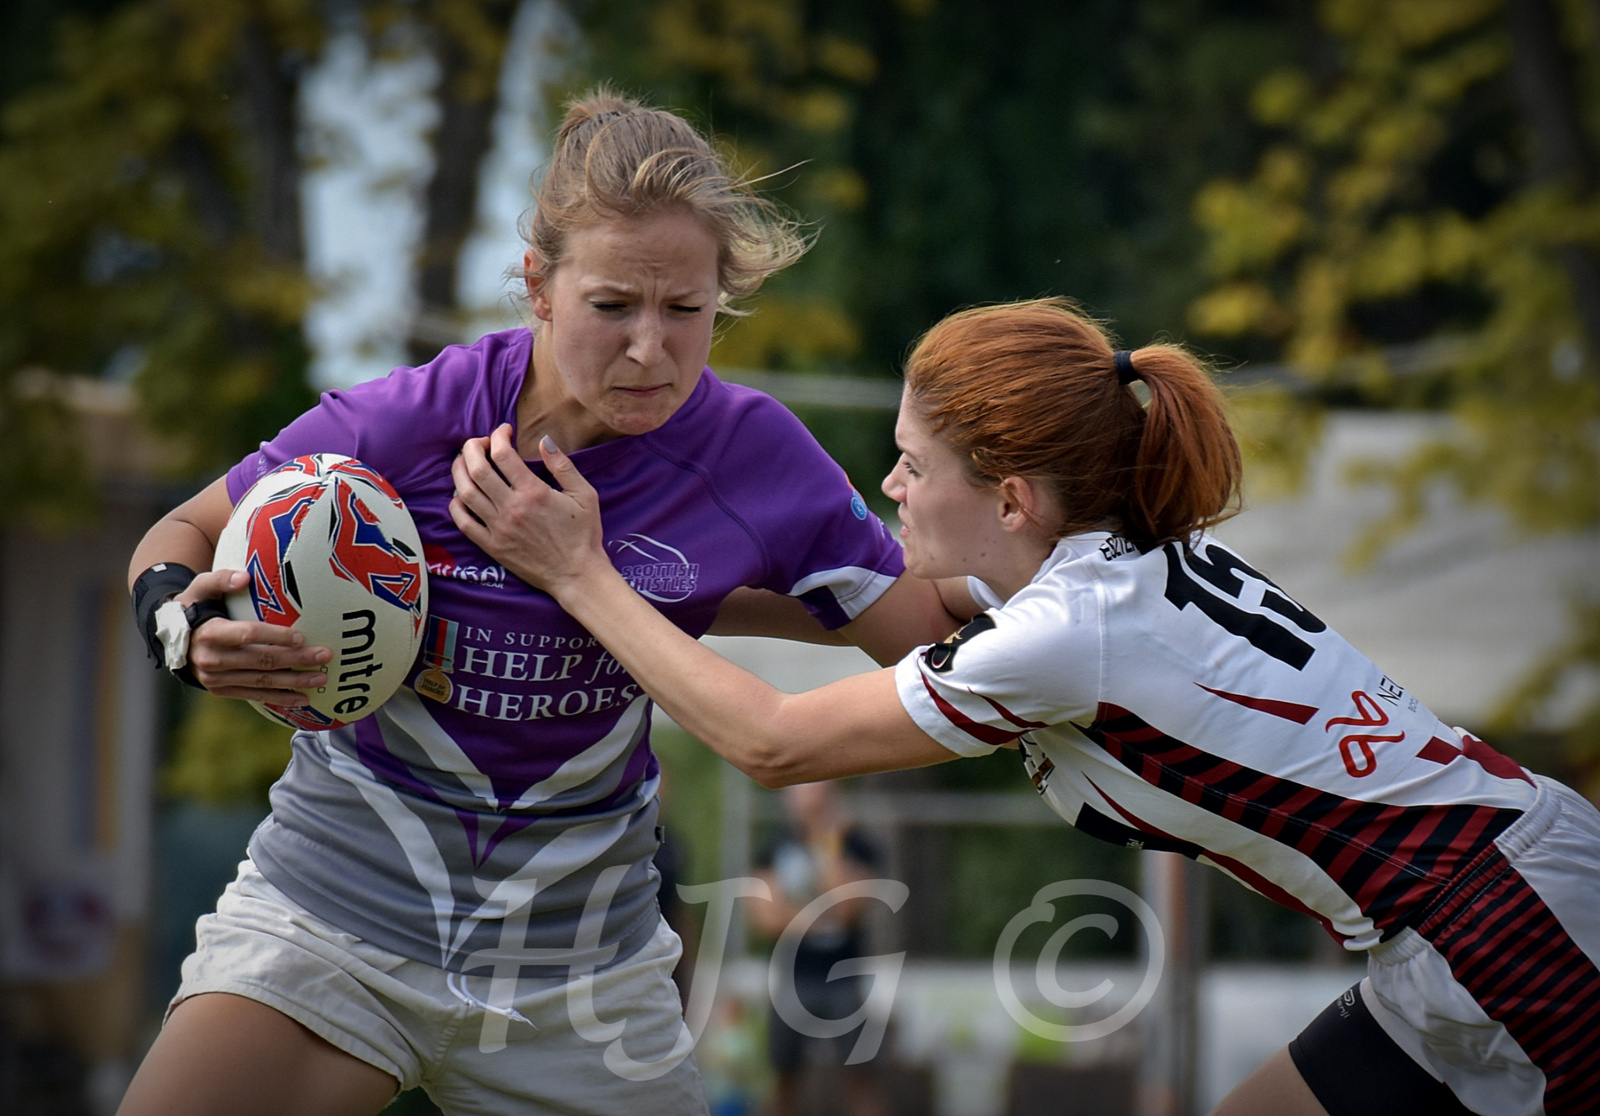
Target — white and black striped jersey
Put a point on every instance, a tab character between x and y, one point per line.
1177	699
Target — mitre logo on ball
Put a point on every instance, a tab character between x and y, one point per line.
332	552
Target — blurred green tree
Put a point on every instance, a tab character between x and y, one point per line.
151	163
150	228
955	154
952	154
1424	230
150	222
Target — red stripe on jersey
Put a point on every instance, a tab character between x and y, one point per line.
1372	829
1238	868
1272	891
1389	859
1405	853
1006	713
1288	810
1288	710
975	729
1441	751
1468	842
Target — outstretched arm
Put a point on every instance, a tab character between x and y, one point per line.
552	538
913	612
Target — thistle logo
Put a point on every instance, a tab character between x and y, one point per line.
656	571
272	528
441	564
387	568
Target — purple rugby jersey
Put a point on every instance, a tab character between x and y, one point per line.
522	786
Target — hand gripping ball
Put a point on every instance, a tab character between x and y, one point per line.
332	552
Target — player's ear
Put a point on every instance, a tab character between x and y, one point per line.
1027	503
537	279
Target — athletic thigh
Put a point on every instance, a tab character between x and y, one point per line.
225	1055
1274	1089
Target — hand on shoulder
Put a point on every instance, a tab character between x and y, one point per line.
549	537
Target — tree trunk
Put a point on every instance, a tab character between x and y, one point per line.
469	96
269	80
1542	71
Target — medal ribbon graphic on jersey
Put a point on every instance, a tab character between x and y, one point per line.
364	554
439	655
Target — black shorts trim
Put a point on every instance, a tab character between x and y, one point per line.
1355	1069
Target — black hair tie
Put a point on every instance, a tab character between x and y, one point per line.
1126	373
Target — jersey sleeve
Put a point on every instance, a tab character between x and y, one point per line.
1033	663
389	423
821	542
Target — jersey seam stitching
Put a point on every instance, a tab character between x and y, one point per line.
717	497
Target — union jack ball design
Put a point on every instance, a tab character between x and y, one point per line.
331	551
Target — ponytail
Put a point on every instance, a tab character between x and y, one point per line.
1033	389
1186	470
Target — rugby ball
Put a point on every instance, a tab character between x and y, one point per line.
332	552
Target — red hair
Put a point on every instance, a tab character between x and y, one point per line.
1030	389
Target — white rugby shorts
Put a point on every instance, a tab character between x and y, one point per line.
426	1026
1517	932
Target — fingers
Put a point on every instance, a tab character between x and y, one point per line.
239	645
562	469
473	470
507	459
248	688
261	678
213	585
256	661
469	524
469	497
493	465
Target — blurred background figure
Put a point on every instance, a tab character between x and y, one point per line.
818	851
671	862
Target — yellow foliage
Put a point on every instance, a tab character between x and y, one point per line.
1394	136
818	110
225	752
1443	81
1237	309
845	58
1276	432
787	332
1285	173
1349	17
1419	23
841	187
1395	260
1360	188
1519	370
1280	97
1455	245
1248	226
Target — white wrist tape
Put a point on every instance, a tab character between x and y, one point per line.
172	629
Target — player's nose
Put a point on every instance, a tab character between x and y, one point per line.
645	340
